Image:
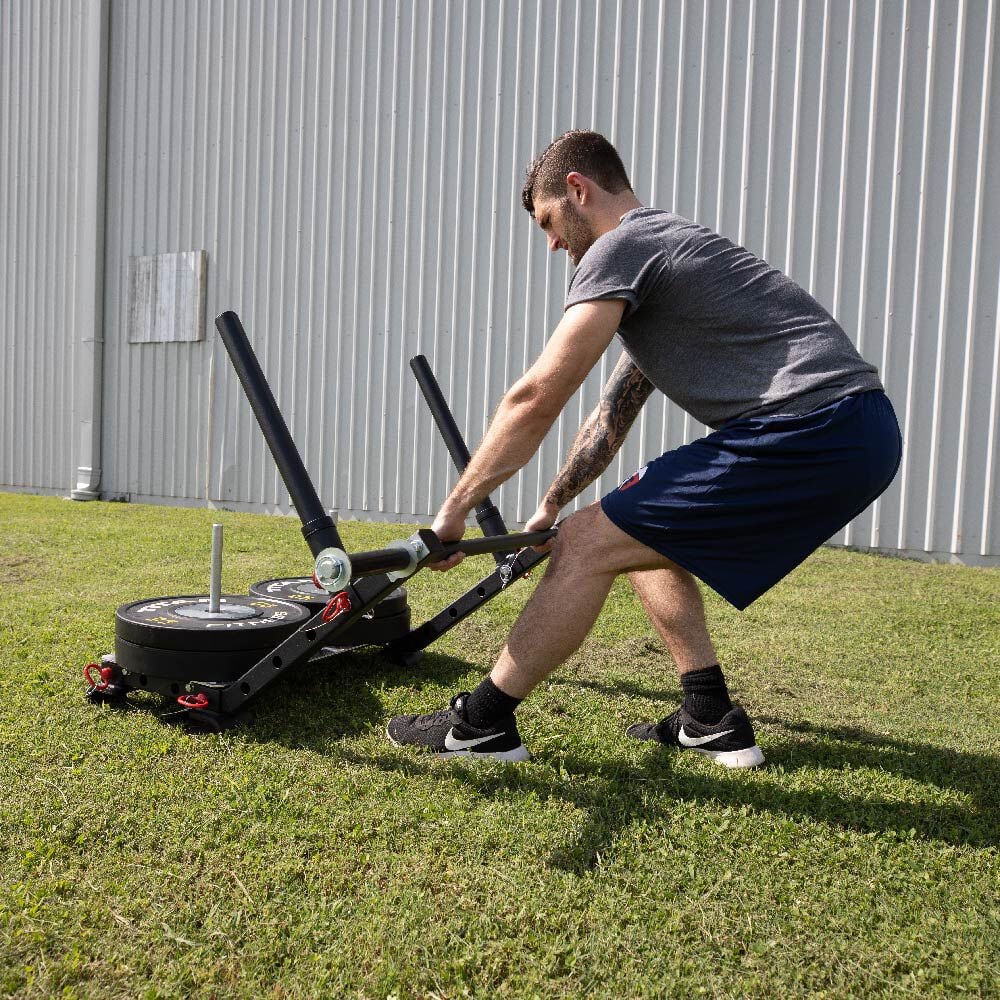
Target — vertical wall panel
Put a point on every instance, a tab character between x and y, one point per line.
353	171
43	66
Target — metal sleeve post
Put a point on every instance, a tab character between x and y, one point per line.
215	584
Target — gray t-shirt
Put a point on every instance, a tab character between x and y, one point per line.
715	328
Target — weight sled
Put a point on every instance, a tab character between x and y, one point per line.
213	654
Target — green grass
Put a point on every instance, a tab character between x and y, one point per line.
305	856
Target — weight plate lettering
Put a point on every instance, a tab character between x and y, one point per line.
303	591
299	589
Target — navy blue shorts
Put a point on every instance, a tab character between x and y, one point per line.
742	507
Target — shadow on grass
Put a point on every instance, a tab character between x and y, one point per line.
975	775
621	686
316	702
614	794
326	700
338	696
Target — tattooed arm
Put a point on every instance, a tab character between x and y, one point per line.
598	440
529	408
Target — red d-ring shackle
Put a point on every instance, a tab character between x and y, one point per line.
339	603
199	700
105	676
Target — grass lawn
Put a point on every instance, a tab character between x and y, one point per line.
306	856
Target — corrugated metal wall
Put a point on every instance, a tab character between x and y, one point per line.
353	171
48	235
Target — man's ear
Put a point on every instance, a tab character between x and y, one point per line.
577	187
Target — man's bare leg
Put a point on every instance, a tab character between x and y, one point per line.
590	552
673	603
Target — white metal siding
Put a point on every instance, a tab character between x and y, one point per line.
353	171
42	271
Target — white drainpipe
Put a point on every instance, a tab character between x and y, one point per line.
95	26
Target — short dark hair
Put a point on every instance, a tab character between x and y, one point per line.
588	153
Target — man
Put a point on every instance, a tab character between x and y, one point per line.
804	440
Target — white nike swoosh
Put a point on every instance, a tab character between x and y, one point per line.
452	742
696	741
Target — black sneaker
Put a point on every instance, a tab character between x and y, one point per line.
729	742
450	734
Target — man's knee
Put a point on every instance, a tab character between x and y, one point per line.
572	540
589	541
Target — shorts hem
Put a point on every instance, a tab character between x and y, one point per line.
740	603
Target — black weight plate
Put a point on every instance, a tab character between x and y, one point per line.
155	622
302	590
299	589
394	604
372	631
185	664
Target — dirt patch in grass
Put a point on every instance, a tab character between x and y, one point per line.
18	569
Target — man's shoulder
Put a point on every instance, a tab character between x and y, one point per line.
622	259
657	220
643	231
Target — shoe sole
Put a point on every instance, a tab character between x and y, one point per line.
750	756
516	756
747	757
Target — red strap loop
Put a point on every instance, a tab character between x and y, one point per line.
105	676
199	700
339	603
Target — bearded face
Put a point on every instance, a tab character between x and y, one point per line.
577	234
566	227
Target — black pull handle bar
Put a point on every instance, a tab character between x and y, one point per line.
384	560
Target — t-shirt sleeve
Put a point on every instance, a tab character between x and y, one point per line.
610	269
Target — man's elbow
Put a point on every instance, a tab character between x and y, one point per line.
534	402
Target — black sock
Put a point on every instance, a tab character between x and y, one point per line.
488	704
706	696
